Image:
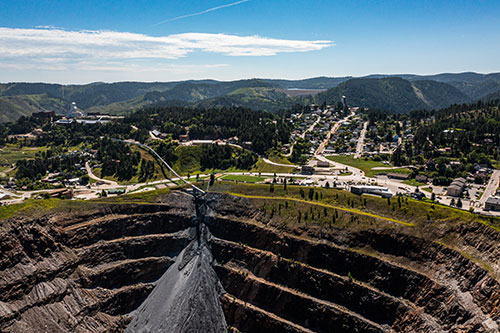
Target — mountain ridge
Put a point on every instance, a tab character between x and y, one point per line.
420	91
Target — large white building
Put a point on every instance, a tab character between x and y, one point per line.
384	192
73	111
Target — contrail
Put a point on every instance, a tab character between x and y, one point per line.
203	12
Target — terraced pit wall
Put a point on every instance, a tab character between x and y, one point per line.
182	266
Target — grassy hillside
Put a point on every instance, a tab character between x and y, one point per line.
13	107
440	95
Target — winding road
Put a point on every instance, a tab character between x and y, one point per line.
94	177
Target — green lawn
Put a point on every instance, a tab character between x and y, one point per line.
366	165
38	207
423	215
279	159
244	178
413	182
426	189
264	167
10	154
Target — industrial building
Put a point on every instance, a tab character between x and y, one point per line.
384	192
74	112
492	203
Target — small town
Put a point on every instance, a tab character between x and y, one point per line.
334	146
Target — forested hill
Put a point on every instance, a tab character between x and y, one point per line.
400	93
394	94
21	99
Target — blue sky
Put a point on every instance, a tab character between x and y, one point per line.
96	40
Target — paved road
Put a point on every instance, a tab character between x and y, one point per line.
361	142
491	188
91	175
303	135
334	129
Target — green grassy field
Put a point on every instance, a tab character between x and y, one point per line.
276	158
366	165
10	154
413	182
264	167
422	215
244	178
38	207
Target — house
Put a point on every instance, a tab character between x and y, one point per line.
73	181
202	142
307	170
430	165
456	187
322	164
183	137
492	203
92	121
64	121
421	178
62	193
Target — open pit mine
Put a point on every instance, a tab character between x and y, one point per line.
218	263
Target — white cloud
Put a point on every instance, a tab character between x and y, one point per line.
58	48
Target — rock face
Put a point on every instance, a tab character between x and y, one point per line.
186	297
204	266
